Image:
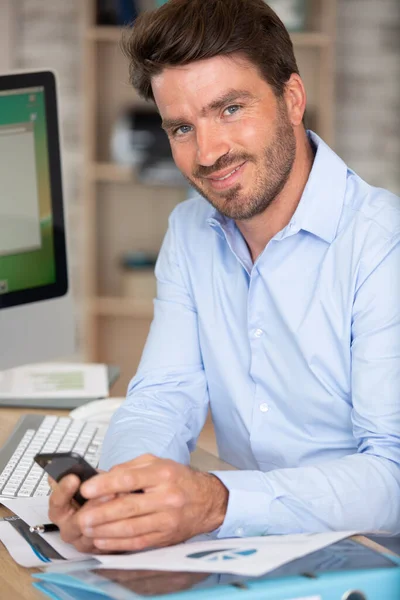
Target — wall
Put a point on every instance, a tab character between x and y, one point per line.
6	34
368	89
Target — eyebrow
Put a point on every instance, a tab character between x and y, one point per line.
227	98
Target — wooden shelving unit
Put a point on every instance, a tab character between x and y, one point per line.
120	214
121	307
113	35
106	171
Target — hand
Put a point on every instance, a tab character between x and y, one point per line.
63	512
177	504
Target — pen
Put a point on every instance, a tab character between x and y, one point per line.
47	528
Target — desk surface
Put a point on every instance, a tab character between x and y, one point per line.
15	581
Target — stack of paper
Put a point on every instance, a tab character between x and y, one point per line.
34	511
243	556
253	556
55	380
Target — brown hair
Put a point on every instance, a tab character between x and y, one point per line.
183	31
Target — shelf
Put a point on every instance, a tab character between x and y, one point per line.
104	33
111	172
306	39
310	39
104	172
121	307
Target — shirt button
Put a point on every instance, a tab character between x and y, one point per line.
264	407
239	531
258	333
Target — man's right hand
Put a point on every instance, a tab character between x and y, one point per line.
63	512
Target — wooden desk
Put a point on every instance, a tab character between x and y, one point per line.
16	581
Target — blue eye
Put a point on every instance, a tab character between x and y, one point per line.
232	109
182	130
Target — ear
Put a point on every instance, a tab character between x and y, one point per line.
295	98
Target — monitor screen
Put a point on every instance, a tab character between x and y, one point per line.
32	243
36	311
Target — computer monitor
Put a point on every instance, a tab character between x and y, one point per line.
36	316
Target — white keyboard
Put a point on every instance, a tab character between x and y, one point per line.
20	476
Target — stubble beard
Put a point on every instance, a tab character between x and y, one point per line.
275	168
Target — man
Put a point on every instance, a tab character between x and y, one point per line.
277	305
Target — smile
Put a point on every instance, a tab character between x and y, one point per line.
225	181
226	176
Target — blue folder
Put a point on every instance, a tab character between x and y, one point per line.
346	570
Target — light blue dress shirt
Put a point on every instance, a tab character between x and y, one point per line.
298	356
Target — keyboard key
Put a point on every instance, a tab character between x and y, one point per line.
25	492
41	493
10	490
23	478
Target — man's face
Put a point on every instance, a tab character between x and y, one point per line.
230	136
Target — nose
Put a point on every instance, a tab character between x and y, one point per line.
211	145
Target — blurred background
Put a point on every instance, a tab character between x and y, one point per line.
120	184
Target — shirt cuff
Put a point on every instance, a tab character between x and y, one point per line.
248	505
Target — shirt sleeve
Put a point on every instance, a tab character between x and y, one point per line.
167	400
361	491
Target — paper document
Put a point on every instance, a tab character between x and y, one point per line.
35	511
55	380
17	547
252	557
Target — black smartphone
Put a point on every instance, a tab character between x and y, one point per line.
60	464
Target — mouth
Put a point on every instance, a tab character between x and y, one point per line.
227	178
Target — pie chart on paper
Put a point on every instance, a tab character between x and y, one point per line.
223	554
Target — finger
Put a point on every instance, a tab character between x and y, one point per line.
85	545
123	507
100	501
64	490
151	540
70	530
128	528
128	479
60	499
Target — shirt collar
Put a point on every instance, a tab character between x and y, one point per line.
322	200
219	221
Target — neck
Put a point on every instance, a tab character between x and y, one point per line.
259	230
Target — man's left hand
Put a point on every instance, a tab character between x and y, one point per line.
177	503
